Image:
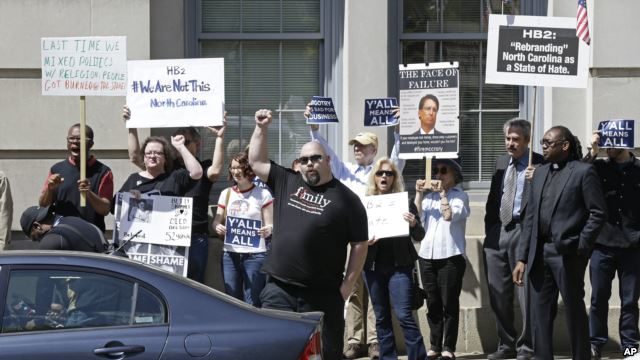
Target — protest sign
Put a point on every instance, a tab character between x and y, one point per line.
535	50
175	93
243	232
81	66
384	214
619	134
174	259
379	112
164	220
429	109
322	111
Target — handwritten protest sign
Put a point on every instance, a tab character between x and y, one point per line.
164	220
535	50
243	232
429	109
322	111
379	112
80	66
384	213
174	259
175	93
619	134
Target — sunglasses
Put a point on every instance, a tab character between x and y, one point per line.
442	170
550	143
187	142
305	159
386	173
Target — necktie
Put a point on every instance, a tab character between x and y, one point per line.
509	195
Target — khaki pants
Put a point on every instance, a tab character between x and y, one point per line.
356	323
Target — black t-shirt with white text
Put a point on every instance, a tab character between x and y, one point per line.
312	227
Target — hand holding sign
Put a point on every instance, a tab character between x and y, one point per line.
307	114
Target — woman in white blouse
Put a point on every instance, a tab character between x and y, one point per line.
444	209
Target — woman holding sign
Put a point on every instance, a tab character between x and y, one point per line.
389	267
244	220
444	213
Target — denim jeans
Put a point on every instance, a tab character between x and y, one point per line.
242	277
605	262
391	287
198	253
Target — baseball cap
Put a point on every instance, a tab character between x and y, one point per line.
31	215
365	138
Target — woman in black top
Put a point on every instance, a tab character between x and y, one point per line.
157	175
389	267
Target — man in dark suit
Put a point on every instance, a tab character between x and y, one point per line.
566	210
428	113
505	209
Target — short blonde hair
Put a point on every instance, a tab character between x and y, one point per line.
398	182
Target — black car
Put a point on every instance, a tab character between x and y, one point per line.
71	305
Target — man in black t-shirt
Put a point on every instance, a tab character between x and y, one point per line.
61	233
315	218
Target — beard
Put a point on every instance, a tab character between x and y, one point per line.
311	177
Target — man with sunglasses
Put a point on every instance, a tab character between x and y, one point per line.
315	218
63	185
505	210
565	212
355	177
617	249
200	189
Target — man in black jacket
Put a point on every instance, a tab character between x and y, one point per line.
617	248
505	210
61	233
565	213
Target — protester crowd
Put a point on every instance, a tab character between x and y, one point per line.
548	216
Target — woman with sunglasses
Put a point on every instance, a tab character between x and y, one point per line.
248	211
444	211
389	267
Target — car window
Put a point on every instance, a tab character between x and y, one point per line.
58	299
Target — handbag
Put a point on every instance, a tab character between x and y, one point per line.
418	295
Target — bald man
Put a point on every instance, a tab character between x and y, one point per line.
315	218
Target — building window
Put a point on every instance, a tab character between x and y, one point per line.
273	52
455	30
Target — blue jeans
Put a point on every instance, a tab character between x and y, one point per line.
242	277
392	286
605	262
198	253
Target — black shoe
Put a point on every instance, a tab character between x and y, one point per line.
524	356
435	356
502	354
448	357
595	353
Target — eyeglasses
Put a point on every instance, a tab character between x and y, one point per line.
305	159
74	139
547	143
442	170
387	173
154	153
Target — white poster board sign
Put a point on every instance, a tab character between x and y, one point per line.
84	66
429	110
175	93
384	214
163	220
169	258
536	51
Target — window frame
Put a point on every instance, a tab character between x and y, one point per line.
397	36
